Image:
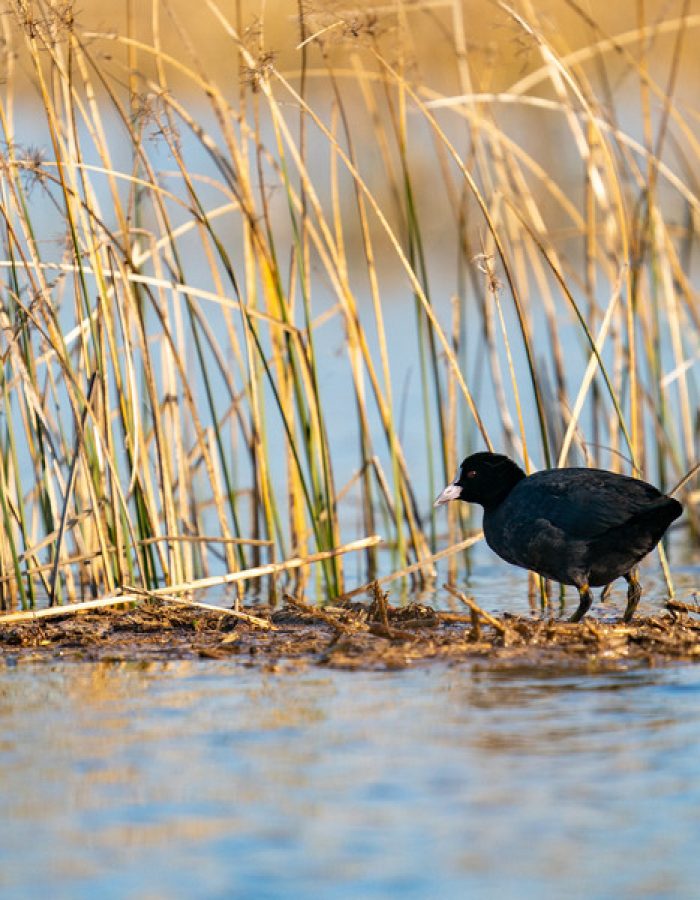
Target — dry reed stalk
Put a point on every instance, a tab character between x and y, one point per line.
123	600
270	569
563	78
502	629
504	261
409	570
249	619
415	283
328	618
681	606
66	610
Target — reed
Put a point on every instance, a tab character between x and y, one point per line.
282	306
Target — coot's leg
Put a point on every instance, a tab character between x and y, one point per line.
605	593
585	600
634	592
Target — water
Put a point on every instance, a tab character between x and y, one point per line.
212	779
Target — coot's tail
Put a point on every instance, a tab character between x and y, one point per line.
641	532
657	516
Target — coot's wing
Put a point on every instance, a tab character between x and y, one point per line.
585	503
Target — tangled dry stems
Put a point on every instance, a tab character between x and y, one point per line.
355	635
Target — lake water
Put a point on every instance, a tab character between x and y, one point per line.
216	780
210	779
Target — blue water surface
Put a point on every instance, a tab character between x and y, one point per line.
210	779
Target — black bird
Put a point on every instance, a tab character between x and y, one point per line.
584	527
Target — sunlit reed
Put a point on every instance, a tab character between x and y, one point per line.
167	415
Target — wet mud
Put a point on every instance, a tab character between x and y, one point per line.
373	635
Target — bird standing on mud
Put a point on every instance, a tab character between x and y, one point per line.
584	527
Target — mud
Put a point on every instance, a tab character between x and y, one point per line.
354	636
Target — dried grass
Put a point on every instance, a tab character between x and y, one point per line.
354	635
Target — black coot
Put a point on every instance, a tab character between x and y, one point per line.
584	527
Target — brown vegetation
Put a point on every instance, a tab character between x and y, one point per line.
353	635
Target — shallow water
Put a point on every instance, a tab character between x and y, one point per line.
211	779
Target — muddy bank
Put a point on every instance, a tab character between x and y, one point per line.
355	636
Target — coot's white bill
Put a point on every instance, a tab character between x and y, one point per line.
451	492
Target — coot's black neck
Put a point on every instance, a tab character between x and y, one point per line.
502	480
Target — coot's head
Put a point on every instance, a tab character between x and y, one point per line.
485	478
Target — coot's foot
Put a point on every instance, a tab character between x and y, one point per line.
585	600
634	592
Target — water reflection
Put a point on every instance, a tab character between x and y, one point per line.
208	779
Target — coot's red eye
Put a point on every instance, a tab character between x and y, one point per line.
471	474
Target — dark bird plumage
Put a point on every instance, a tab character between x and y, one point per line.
584	527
